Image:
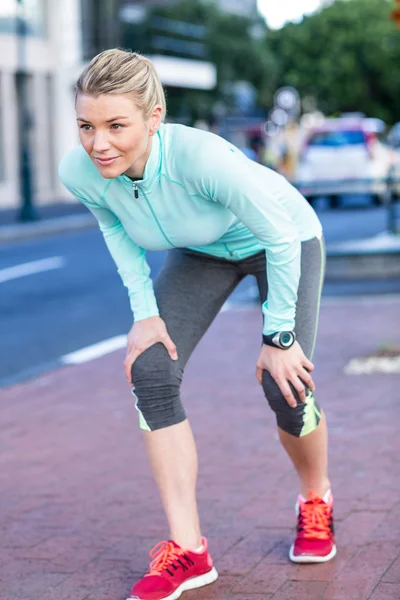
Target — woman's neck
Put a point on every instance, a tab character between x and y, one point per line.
136	171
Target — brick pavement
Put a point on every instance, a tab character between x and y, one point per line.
79	511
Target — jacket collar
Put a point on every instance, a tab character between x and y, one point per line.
152	169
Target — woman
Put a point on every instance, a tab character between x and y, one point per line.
153	186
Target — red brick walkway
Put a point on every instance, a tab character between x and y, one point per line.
79	511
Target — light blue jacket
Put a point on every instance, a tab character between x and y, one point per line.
200	192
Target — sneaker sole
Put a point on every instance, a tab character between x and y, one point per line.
309	558
190	584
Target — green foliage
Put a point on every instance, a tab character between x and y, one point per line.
231	45
239	56
347	56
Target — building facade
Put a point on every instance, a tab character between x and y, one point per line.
244	8
47	43
46	52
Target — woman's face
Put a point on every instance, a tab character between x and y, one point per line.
114	133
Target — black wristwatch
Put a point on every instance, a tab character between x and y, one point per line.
280	339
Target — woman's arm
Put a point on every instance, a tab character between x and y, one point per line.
130	260
231	179
78	173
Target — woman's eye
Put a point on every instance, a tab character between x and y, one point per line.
86	127
116	126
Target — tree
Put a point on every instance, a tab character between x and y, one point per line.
231	44
347	56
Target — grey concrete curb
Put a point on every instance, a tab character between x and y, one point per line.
28	231
377	257
351	266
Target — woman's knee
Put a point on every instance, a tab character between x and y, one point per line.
298	421
157	381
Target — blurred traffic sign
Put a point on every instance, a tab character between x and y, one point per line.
244	94
279	116
288	99
271	128
285	111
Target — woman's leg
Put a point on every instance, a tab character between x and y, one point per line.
173	458
190	291
309	455
302	430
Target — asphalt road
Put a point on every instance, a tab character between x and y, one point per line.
356	219
78	300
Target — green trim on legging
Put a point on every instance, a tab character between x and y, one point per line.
311	416
142	421
321	281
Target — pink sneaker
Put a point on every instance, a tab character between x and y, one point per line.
174	570
315	542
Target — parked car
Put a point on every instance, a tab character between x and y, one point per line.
345	156
393	137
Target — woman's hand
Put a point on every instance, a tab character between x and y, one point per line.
144	334
287	366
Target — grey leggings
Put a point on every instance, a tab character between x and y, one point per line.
190	290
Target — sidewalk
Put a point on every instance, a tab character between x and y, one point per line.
52	219
55	210
79	511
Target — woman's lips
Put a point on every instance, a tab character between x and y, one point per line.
105	161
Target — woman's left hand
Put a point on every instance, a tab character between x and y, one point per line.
287	366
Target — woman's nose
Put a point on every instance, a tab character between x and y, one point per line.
101	142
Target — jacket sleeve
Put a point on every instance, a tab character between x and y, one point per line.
232	179
130	260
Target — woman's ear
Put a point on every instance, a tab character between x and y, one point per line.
155	119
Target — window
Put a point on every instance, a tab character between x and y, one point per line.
33	14
8	15
100	26
337	138
2	166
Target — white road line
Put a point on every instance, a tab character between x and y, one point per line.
373	364
225	307
95	351
37	266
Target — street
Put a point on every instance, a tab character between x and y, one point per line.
61	294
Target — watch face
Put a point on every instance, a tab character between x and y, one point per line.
286	338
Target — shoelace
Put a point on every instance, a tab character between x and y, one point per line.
315	518
163	554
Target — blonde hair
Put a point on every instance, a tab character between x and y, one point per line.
118	71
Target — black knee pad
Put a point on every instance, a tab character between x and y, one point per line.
157	381
298	421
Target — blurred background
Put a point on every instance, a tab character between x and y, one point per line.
309	88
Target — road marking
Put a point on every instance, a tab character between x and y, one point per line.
225	307
373	364
95	351
37	266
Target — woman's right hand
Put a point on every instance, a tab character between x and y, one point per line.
144	334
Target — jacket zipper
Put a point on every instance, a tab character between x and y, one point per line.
227	249
136	192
